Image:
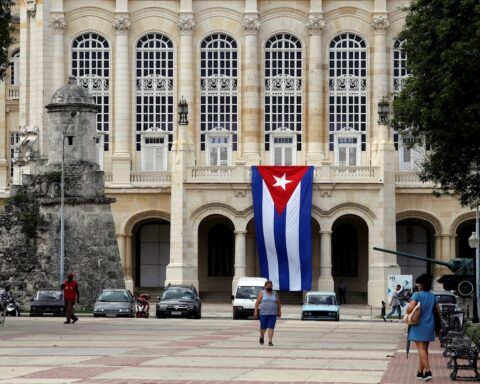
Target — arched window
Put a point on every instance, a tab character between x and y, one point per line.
15	68
283	97
408	157
347	89
154	100
218	97
91	67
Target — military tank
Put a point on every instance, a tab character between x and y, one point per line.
462	279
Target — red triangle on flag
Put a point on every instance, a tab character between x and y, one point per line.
281	182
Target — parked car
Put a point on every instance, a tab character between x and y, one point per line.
48	302
320	306
114	303
245	296
179	301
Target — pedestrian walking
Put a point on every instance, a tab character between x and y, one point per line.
424	332
268	306
342	291
70	295
395	303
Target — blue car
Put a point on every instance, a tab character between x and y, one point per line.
320	306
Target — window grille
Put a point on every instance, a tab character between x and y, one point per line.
154	82
14	138
15	68
283	86
347	86
218	86
91	67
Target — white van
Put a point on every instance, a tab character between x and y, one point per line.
245	296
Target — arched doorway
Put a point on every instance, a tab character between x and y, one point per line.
152	253
216	257
350	256
415	237
464	231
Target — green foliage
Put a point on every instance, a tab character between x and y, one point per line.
5	38
18	198
440	103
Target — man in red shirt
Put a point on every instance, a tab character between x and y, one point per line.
70	294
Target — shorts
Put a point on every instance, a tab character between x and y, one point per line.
268	321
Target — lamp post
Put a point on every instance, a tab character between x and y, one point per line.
182	112
62	197
383	111
474	242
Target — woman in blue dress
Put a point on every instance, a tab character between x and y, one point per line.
423	332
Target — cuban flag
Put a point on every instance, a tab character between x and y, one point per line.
282	204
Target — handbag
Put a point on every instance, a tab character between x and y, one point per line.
413	317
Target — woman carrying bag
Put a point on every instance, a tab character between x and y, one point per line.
423	332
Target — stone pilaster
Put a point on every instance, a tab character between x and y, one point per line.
240	257
325	280
121	160
57	25
251	129
314	122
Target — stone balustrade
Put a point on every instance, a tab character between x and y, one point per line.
411	179
150	178
13	92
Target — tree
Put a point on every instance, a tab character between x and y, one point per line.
440	102
5	37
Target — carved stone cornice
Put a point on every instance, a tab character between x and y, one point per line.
251	24
121	23
186	23
380	23
315	24
57	22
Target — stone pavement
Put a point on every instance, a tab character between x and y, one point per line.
213	350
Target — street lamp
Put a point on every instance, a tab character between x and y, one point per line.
182	112
383	111
474	242
62	197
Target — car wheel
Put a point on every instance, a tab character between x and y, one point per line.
198	315
337	318
95	315
302	317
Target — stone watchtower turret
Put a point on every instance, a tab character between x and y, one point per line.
30	223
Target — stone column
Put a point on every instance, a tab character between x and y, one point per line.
325	280
240	257
121	250
129	283
183	266
251	129
57	24
121	160
314	120
381	264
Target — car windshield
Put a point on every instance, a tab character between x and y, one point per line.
116	296
49	295
248	292
177	293
446	299
320	299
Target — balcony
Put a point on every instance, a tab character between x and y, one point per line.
13	92
143	179
410	179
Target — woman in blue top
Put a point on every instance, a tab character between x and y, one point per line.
270	308
423	332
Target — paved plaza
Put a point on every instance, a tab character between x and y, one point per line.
214	349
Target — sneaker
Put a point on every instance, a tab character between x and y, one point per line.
261	340
427	376
75	320
66	322
419	375
385	318
270	344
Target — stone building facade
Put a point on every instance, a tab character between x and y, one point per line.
266	82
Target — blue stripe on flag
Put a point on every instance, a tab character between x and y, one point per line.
282	253
306	231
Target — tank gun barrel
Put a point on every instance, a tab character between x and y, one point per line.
451	266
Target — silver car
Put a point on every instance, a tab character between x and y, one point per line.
114	303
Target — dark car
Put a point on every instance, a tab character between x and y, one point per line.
48	302
114	303
179	301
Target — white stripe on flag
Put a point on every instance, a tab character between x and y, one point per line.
293	239
268	212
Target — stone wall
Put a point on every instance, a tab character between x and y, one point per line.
30	234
